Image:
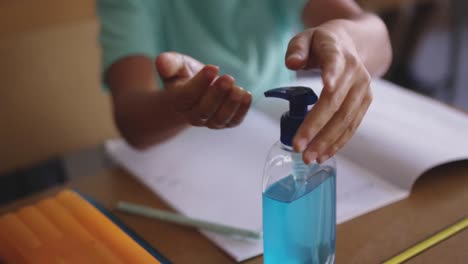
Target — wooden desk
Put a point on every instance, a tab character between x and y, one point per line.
438	199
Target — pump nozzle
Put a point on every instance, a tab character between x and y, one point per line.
299	98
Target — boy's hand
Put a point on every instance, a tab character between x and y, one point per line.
346	95
199	94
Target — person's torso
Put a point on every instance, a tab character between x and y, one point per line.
247	39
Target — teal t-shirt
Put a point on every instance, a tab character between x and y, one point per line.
245	38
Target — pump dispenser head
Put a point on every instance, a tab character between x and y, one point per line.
299	98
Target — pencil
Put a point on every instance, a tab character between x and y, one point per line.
429	242
186	221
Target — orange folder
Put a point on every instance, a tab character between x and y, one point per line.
66	229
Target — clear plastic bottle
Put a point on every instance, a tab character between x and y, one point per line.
299	200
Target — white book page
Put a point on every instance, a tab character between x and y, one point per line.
216	175
360	191
405	134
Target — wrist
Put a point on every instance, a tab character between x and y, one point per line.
171	101
365	35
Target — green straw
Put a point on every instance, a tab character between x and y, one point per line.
185	221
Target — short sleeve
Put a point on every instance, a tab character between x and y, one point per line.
128	27
295	8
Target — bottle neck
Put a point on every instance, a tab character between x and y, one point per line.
286	147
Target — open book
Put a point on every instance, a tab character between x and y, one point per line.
217	175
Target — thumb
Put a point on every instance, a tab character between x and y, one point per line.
329	55
298	54
171	65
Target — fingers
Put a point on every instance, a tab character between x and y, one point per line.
223	105
329	103
227	110
313	48
331	138
241	111
334	119
202	97
189	94
326	50
232	111
214	96
349	132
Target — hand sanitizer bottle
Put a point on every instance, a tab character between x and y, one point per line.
299	200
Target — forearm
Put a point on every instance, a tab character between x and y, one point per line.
143	112
145	118
367	32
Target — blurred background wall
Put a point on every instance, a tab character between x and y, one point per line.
51	102
430	42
